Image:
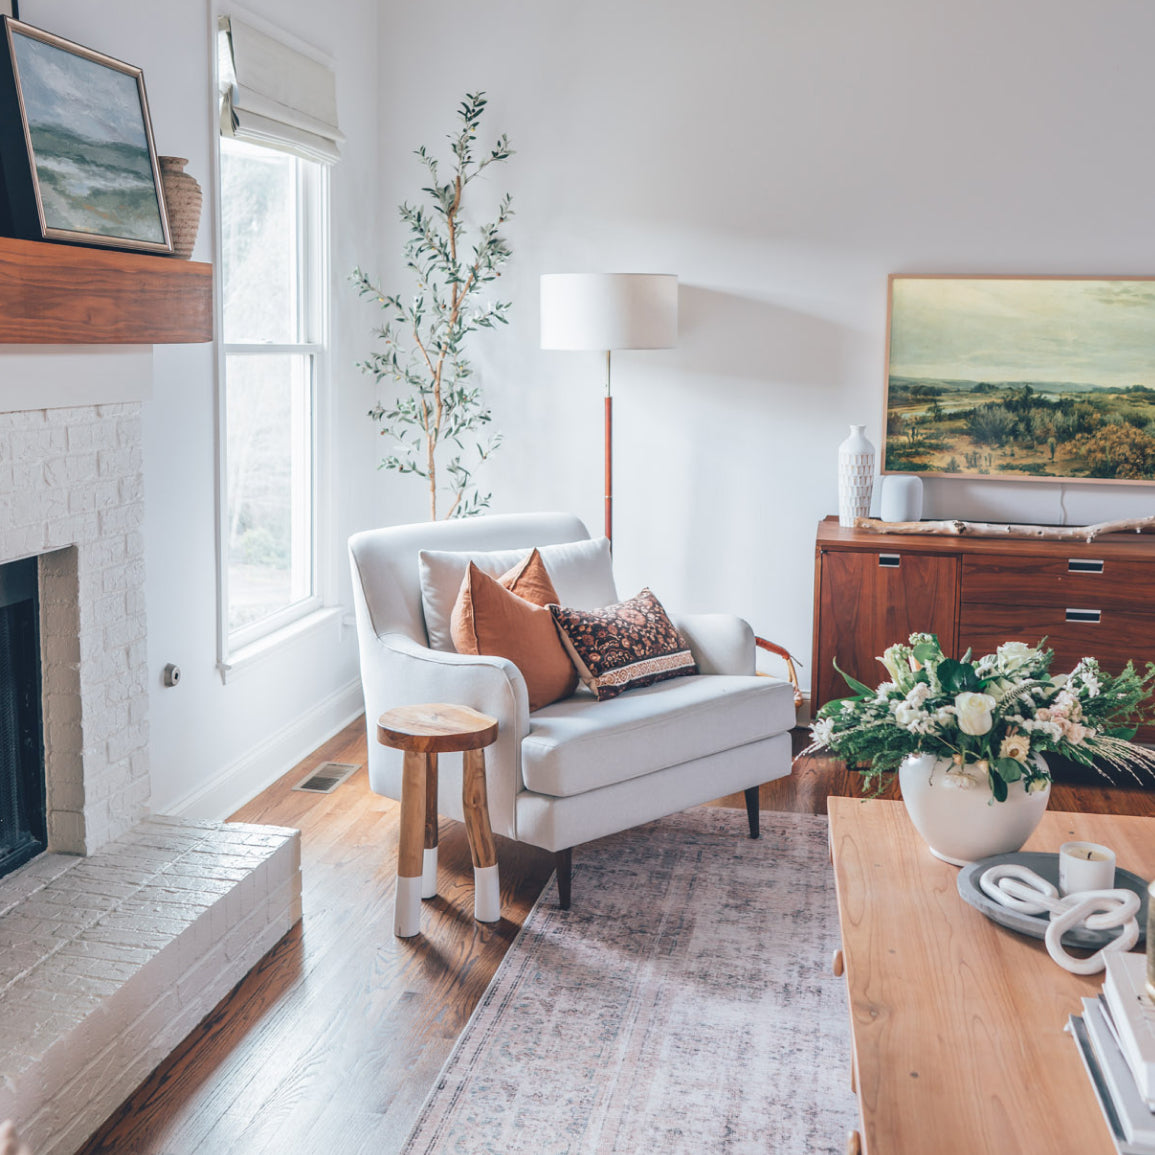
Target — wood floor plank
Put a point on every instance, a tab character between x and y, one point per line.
334	1039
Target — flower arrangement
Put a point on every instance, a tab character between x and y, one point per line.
989	717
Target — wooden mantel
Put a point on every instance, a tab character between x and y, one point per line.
54	294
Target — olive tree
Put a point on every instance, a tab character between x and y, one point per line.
437	419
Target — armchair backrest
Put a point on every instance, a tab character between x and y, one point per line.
386	581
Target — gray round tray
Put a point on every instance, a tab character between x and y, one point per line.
1046	866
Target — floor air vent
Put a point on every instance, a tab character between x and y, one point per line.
326	777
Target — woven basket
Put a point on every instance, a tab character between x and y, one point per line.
182	198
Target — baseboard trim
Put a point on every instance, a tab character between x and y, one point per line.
245	777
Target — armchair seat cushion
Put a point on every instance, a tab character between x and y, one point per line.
581	744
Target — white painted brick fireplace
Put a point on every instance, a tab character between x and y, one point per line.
71	493
119	939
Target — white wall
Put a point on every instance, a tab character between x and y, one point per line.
782	158
203	732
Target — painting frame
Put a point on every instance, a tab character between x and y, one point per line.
1047	391
79	173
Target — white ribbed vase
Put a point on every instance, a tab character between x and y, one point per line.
855	476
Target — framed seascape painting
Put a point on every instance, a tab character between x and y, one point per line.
1040	378
76	145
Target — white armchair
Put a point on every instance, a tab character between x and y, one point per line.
578	769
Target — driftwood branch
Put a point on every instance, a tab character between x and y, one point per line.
997	529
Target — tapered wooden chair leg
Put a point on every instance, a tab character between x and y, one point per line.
407	907
429	858
475	803
752	810
564	864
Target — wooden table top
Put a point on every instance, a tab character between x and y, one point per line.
436	728
957	1022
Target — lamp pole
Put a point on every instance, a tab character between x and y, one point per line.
609	454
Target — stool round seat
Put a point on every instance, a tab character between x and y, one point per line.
436	728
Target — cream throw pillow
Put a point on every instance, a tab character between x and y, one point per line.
581	571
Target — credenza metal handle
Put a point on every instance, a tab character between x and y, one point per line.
1084	565
1084	615
890	560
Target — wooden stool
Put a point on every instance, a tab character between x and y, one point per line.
423	732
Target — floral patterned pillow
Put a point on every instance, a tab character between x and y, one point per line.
623	646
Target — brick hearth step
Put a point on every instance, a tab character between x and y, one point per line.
108	961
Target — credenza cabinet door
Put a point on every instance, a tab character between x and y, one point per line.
867	601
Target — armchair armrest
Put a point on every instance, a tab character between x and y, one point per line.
720	643
489	684
396	671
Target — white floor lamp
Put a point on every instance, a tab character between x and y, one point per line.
604	312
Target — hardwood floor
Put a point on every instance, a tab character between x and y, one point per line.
332	1042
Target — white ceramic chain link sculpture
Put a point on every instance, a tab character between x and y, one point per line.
1018	888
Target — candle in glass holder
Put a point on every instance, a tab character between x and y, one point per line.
1085	866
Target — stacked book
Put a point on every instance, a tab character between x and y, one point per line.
1116	1038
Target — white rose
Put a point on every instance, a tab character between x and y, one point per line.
974	713
1012	655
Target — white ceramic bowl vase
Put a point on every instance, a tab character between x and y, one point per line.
963	825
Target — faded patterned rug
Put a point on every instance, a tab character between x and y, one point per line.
685	1004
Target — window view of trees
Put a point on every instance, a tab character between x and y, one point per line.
268	217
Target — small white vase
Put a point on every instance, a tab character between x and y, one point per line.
962	825
901	497
855	476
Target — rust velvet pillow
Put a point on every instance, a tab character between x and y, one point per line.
507	617
624	646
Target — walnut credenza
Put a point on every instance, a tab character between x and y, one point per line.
1087	599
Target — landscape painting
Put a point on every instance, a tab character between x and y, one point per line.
91	150
1022	377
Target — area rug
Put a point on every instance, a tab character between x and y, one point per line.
685	1004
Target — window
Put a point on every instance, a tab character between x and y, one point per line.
273	224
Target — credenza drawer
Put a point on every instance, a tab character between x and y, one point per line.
1113	636
1058	581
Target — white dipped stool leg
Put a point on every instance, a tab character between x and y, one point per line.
407	907
486	894
429	859
475	802
429	873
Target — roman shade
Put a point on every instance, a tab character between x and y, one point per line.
276	96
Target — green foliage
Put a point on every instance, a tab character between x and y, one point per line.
423	338
1121	451
258	546
988	717
990	424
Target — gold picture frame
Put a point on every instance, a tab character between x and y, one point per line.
76	145
1020	377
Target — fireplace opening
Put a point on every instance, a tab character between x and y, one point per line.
23	831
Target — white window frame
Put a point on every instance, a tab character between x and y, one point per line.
238	648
